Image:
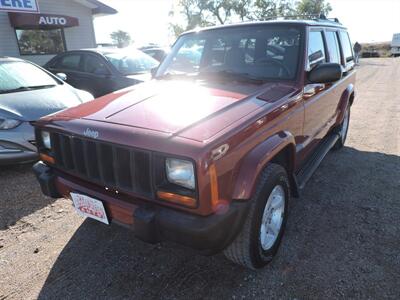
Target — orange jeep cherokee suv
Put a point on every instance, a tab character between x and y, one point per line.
208	153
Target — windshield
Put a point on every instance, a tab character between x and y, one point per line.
19	75
255	52
132	62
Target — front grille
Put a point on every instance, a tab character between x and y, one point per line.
109	165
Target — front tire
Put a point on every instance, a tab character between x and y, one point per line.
261	234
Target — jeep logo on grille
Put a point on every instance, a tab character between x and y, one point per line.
91	133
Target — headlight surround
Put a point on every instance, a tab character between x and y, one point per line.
180	172
6	124
46	141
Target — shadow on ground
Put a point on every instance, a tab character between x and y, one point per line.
20	194
341	241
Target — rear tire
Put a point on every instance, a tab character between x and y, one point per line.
261	234
343	130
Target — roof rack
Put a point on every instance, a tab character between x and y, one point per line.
313	17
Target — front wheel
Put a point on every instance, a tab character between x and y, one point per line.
260	237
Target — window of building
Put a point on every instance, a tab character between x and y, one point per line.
333	47
316	49
346	46
39	41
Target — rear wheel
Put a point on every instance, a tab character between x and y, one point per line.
260	237
343	130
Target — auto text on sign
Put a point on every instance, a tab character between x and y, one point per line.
52	21
19	5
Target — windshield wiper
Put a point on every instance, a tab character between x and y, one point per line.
27	88
240	76
39	87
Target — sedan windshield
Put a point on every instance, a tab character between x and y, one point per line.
21	76
131	62
248	52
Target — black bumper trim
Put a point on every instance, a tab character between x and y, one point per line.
152	223
46	178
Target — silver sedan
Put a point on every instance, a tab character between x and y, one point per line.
27	93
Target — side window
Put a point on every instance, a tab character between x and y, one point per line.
94	65
346	46
333	47
69	62
316	49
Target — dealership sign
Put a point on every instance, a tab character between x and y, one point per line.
25	20
30	6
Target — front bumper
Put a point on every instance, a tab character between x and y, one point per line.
153	223
16	145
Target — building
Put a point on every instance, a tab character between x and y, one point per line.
37	30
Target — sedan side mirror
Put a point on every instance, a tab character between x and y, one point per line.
153	72
325	73
62	76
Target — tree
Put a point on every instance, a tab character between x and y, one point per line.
121	38
313	7
200	13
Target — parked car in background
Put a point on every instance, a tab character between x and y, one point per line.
157	53
102	71
28	92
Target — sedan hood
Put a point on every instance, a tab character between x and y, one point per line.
32	105
178	108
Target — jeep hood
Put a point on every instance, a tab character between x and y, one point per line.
176	108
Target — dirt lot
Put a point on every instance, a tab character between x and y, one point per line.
342	240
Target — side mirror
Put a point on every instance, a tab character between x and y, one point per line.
153	72
62	76
325	73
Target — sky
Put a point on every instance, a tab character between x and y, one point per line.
148	20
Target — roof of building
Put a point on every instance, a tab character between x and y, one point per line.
98	8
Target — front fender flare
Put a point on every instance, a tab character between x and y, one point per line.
256	160
344	102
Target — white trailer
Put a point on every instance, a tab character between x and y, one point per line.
396	44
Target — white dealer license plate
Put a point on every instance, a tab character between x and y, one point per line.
89	207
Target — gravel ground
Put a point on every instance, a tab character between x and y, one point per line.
342	239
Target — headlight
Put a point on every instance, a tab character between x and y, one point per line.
180	172
8	124
46	140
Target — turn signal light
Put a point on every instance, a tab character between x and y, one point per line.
177	199
47	158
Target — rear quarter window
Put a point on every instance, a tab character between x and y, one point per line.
346	46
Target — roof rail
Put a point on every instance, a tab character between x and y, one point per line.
313	17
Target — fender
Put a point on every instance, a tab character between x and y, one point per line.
256	160
344	101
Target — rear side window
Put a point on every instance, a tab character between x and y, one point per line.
346	45
69	62
333	47
316	49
